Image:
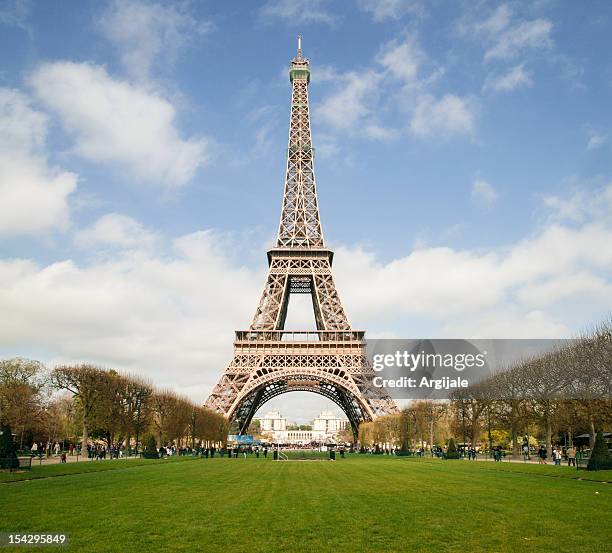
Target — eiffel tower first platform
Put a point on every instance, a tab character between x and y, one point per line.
269	360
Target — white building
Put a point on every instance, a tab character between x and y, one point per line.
329	423
325	428
273	421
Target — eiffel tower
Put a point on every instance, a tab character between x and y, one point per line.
269	360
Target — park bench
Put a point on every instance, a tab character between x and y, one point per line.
25	463
582	462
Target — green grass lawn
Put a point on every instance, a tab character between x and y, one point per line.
361	503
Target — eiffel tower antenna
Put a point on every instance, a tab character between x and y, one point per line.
269	360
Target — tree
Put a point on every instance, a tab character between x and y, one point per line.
59	419
601	458
87	383
427	415
151	449
171	416
22	382
543	379
109	412
137	405
8	453
472	404
365	434
588	365
451	451
510	403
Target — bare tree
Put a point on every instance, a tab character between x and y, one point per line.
137	407
22	397
88	385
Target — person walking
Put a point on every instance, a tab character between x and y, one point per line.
34	449
542	455
571	456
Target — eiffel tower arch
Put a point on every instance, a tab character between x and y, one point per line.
269	360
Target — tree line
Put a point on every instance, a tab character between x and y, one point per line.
550	397
81	403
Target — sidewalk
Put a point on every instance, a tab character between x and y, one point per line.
54	460
509	459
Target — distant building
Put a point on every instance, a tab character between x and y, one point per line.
329	423
272	421
325	428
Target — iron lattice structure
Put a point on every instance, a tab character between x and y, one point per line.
268	360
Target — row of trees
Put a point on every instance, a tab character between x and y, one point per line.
567	390
99	404
552	397
423	422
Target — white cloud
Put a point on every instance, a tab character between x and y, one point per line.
582	205
596	140
443	118
378	132
352	102
33	194
321	73
391	9
504	34
327	146
515	77
359	99
118	123
22	129
567	287
491	293
115	230
298	11
526	35
495	23
484	192
402	59
170	316
354	105
15	13
146	33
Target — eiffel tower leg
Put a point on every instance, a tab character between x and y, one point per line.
327	303
272	309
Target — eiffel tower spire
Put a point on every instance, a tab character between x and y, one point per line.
300	224
269	360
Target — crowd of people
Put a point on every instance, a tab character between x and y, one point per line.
558	456
100	451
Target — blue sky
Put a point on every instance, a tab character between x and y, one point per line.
462	157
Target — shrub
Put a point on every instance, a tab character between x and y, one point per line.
150	451
8	450
404	449
451	452
600	459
